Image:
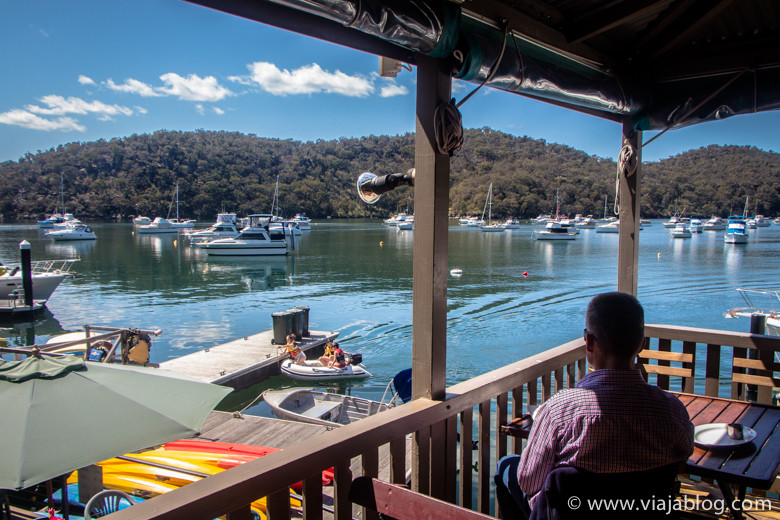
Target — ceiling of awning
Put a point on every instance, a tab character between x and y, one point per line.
661	62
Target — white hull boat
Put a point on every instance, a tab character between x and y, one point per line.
158	225
254	240
141	221
489	227
554	231
714	224
612	227
680	231
319	407
314	371
73	232
46	277
304	222
736	233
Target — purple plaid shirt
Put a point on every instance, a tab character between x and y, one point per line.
612	422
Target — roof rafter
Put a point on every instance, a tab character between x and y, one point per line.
615	16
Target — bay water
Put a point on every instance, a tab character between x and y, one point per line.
356	277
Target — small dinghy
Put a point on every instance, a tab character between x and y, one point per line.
314	371
320	407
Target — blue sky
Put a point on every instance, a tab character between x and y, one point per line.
81	70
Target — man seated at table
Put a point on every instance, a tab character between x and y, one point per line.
612	422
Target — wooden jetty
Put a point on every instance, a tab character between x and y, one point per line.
243	362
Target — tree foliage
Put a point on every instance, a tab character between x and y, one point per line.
227	171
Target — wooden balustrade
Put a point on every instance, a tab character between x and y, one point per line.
443	433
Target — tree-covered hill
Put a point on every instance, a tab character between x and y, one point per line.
225	171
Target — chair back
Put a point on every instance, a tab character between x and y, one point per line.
570	493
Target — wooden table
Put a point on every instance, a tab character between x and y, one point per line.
755	464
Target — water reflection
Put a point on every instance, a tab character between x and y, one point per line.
71	249
37	329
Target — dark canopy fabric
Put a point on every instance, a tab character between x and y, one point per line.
662	63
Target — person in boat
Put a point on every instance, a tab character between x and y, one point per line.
294	350
339	357
328	357
611	422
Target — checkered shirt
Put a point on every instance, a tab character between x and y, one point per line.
612	422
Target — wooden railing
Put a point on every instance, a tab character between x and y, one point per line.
455	442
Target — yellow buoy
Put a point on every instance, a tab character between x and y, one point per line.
659	255
380	243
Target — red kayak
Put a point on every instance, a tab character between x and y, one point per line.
235	453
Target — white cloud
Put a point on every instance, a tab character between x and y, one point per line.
141	110
308	79
133	86
23	118
85	80
393	90
193	87
199	109
58	105
242	80
218	111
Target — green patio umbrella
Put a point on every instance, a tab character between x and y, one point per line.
59	414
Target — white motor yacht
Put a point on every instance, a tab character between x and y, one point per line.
695	225
736	233
554	231
303	222
672	222
215	231
610	227
73	232
46	277
680	231
762	221
158	225
714	224
141	221
254	240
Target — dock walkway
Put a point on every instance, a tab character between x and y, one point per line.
243	362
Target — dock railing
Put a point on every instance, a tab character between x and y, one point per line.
456	442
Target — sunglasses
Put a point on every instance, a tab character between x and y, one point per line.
586	333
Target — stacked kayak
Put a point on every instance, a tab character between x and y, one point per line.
151	473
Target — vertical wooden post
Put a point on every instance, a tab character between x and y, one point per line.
628	245
429	306
431	206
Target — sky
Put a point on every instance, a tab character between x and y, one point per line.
82	70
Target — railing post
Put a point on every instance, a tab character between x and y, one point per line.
757	326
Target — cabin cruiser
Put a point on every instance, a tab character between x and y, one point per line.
672	222
46	277
303	222
680	231
610	227
762	221
714	224
554	231
48	223
73	232
511	223
736	233
395	219
585	223
141	221
257	239
215	231
158	225
695	225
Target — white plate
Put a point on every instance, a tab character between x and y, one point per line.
716	435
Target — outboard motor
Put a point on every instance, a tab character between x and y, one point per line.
355	359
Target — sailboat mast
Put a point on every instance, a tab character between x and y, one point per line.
177	202
62	193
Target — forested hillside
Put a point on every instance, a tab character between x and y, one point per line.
223	171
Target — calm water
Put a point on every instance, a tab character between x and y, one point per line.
356	276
